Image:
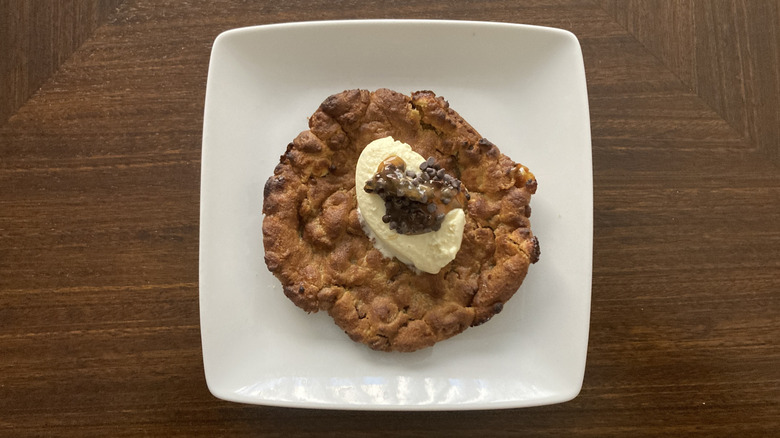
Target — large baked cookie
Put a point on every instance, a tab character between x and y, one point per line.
315	246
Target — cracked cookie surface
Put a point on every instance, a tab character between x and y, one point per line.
315	246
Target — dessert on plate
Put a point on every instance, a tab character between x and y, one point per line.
396	217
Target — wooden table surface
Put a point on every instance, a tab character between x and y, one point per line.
100	139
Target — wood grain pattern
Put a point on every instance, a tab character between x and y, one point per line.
36	37
99	189
726	53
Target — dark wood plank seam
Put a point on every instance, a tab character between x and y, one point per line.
750	145
4	122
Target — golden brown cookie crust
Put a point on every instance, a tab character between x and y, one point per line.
315	246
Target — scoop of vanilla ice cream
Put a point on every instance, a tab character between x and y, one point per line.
428	252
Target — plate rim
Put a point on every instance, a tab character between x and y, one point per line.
228	395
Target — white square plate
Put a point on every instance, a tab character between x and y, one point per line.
522	87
